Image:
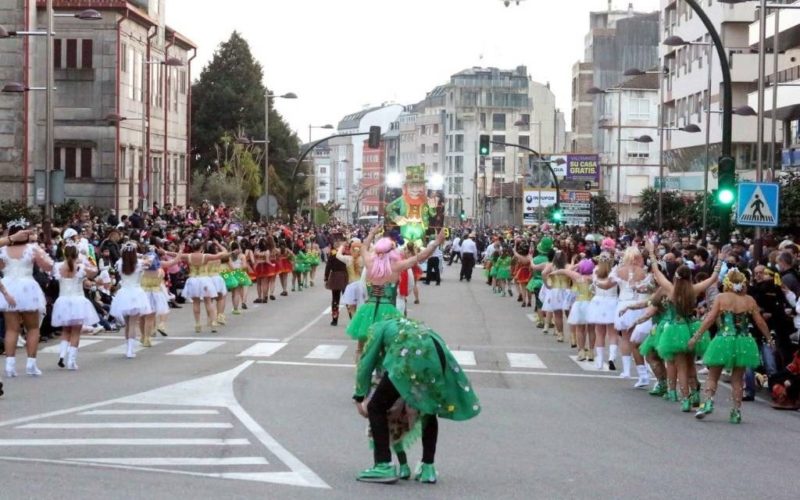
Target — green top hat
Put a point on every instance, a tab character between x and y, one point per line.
415	174
545	245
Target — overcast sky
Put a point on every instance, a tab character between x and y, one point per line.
341	55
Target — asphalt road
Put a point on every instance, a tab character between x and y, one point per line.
262	410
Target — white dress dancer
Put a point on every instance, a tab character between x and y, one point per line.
602	309
71	311
28	299
629	294
130	302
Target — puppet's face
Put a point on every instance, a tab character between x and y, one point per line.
415	190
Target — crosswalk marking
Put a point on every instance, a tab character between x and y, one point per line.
131	425
525	360
465	358
178	461
121	349
150	412
197	348
326	351
588	366
54	349
125	442
263	349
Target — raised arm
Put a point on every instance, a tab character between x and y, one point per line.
371	236
660	278
422	256
347	259
711	280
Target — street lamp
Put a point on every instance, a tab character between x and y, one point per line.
325	127
19	88
269	95
599	91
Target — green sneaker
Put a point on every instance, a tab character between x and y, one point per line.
706	409
404	472
694	397
659	389
380	473
686	405
736	416
426	474
671	396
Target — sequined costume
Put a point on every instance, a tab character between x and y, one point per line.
733	346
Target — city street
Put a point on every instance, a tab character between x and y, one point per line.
263	409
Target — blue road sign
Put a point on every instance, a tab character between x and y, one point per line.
757	204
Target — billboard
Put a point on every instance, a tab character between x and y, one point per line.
583	167
534	203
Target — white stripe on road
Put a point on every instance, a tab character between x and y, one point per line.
588	366
196	348
465	358
263	349
131	425
157	461
150	412
525	360
54	349
307	326
121	349
327	351
533	317
194	337
124	442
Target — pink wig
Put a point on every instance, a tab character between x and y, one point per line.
586	267
608	244
385	254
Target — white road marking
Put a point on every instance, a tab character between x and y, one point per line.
150	412
120	349
197	348
525	360
193	337
466	370
465	358
125	442
263	349
131	425
533	317
588	366
54	349
307	326
180	461
327	351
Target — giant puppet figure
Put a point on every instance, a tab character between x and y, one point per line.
412	212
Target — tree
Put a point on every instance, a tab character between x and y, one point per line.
228	99
672	209
789	210
240	165
692	213
603	212
213	187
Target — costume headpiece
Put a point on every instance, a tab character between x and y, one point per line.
21	223
730	286
415	174
545	245
129	247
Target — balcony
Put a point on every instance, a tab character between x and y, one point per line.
789	30
744	65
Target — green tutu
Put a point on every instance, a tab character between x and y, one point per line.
367	315
313	260
231	281
733	351
674	338
242	277
503	273
651	342
534	285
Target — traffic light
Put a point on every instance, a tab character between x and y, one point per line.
463	215
557	215
483	145
374	140
726	194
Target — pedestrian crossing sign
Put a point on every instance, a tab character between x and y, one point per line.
758	204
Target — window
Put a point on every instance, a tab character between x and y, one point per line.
639	109
436	147
483	121
87	50
498	147
499	121
137	78
124	64
526	120
435	128
323	170
123	167
525	140
57	53
85	171
422	148
499	165
459	168
131	71
182	83
182	169
72	53
70	160
638	150
459	143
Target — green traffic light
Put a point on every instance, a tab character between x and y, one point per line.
725	196
557	216
484	151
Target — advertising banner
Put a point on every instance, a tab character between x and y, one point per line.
583	167
535	202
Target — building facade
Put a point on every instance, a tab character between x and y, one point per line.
121	113
369	197
322	172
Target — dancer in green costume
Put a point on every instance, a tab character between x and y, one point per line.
412	212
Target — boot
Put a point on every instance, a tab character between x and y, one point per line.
146	340
72	358
426	474
626	367
671	396
130	348
582	354
644	377
559	336
659	389
11	366
706	409
380	473
31	369
63	347
573	339
694	397
686	405
599	354
736	416
221	319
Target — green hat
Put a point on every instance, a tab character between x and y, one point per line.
545	245
415	174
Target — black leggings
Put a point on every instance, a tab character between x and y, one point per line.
382	400
335	296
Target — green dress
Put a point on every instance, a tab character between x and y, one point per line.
536	282
503	266
733	346
650	343
380	306
421	367
301	262
675	334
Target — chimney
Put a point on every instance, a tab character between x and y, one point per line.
630	9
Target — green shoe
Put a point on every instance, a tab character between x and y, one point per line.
380	473
706	409
405	472
736	416
694	397
671	396
686	405
426	474
659	389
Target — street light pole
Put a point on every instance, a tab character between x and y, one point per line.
49	122
708	142
266	148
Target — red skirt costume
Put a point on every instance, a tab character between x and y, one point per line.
417	272
284	265
266	270
522	274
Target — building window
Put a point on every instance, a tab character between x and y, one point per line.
182	76
639	109
435	128
436	147
72	53
459	143
526	121
138	76
422	148
638	150
499	121
525	140
459	167
498	147
87	51
124	64
182	168
70	160
123	166
499	165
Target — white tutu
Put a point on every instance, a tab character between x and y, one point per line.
602	310
544	293
355	294
641	331
579	313
199	287
74	311
130	301
27	294
159	302
219	284
627	320
559	299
